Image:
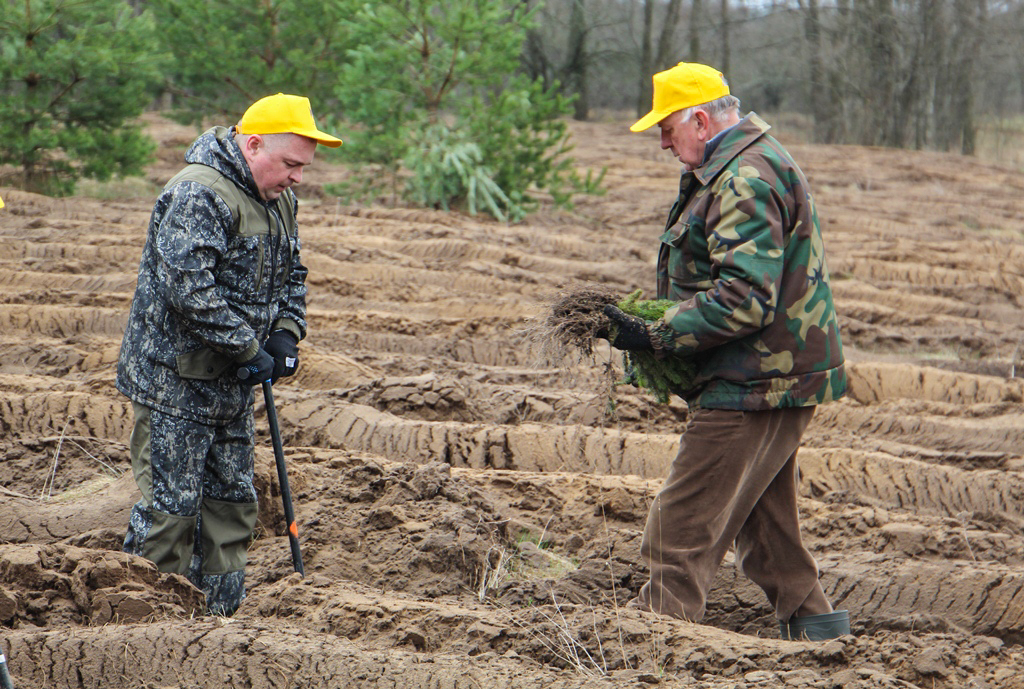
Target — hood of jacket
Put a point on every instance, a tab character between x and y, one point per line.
216	148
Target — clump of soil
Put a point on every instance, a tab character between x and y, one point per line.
55	585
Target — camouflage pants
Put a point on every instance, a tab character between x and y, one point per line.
198	506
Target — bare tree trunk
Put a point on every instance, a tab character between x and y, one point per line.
877	23
576	62
929	68
643	101
942	113
1018	21
724	64
534	60
887	60
695	12
666	44
908	96
837	92
959	73
970	16
954	81
905	103
663	56
816	95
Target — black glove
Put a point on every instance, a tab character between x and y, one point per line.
284	347
632	335
257	369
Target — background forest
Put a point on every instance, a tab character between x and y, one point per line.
463	103
903	73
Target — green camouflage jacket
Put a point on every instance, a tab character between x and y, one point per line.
742	254
220	268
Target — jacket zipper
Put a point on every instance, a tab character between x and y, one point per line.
273	253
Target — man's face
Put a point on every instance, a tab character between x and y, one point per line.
685	139
276	161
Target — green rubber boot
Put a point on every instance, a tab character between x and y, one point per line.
816	627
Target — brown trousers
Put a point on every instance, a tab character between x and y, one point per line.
734	482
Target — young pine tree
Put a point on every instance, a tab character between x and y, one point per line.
229	53
434	98
73	75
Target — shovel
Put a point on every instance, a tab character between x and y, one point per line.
282	478
282	473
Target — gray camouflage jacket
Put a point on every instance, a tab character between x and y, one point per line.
220	269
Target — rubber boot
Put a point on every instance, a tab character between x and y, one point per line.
816	627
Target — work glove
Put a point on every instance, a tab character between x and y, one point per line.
632	333
284	347
257	369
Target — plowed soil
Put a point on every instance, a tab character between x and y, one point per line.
470	515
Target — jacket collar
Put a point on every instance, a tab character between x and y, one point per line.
216	148
736	139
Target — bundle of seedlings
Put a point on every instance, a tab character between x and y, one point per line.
643	369
575	318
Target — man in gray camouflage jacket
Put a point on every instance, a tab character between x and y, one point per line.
742	256
220	286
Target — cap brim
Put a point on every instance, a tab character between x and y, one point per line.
322	138
649	120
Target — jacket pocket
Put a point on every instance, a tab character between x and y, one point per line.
242	272
676	235
681	268
203	364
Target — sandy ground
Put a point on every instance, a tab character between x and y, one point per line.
470	517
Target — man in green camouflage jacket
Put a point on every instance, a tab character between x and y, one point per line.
220	286
742	255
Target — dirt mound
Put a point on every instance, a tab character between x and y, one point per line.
59	585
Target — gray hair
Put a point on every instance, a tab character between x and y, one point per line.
717	109
271	141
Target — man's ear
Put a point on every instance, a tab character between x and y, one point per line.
703	124
253	144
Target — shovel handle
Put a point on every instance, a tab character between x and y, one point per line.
5	676
282	479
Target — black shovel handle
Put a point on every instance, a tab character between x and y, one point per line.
282	478
5	676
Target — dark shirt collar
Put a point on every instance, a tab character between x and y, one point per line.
712	144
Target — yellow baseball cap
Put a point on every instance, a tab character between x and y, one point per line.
683	86
284	114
